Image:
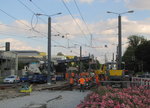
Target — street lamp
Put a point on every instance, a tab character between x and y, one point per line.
80	66
49	45
119	36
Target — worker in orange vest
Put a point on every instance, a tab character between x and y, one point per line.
87	81
82	84
97	81
66	76
73	74
71	81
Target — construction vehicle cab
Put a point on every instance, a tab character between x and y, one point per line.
113	74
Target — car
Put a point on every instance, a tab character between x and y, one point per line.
11	79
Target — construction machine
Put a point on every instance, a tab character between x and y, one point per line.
114	76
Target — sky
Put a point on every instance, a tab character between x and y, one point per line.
83	23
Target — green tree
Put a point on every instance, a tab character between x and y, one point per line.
129	58
135	40
142	53
60	54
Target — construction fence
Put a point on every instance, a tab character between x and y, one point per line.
136	81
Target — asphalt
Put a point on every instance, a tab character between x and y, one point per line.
67	99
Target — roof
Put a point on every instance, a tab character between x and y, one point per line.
27	51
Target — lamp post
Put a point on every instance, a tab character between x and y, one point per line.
80	63
49	70
120	36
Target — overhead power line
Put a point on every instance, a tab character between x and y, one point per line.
37	6
39	18
45	21
14	18
84	21
73	18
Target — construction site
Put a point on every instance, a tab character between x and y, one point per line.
65	82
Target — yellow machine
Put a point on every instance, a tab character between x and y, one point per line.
26	89
112	72
114	76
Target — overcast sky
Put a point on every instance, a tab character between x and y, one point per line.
80	20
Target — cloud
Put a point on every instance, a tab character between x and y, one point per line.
23	28
104	33
68	25
86	1
138	4
83	1
18	45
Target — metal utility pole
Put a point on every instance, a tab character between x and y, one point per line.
120	36
49	45
49	51
113	57
119	42
80	59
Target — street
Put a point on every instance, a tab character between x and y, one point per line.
70	99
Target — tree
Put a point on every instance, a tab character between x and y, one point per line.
60	54
134	40
129	58
142	53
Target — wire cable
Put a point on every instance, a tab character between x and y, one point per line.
83	20
37	6
14	18
73	18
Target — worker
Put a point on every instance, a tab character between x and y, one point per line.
87	81
73	74
66	76
71	81
82	84
90	81
97	81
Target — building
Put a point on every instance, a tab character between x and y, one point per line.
29	56
8	63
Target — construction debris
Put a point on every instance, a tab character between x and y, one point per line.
58	97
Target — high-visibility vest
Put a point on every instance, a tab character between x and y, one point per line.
71	81
87	79
82	81
67	75
72	74
97	79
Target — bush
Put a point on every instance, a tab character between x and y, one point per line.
107	97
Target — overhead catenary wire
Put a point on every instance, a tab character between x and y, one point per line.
32	16
63	46
34	13
34	26
31	12
14	18
28	26
74	18
45	13
13	27
41	11
37	6
52	27
42	19
84	21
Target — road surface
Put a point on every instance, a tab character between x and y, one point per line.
70	99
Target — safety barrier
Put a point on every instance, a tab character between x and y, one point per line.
136	81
